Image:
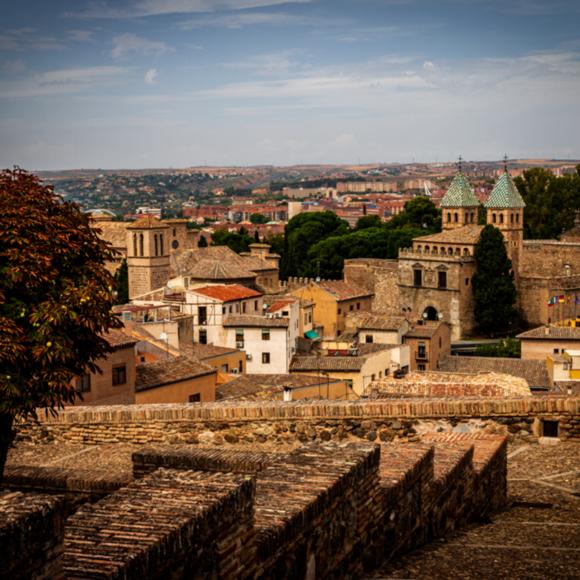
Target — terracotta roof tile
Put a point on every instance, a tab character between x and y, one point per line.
552	333
464	235
227	293
170	370
343	290
119	339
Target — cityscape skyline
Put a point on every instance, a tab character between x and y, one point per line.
179	83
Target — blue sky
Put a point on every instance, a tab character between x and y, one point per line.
159	83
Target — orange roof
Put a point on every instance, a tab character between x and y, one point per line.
227	293
279	304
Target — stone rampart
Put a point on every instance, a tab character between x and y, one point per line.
301	422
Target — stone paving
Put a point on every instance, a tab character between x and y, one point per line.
537	537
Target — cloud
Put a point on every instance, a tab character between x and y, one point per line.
24	39
129	43
151	76
80	35
428	65
140	8
274	63
62	81
13	66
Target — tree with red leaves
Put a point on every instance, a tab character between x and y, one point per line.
55	301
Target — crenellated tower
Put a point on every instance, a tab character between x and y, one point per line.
147	255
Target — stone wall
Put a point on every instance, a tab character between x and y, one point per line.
300	422
31	536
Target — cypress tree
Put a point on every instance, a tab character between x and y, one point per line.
493	285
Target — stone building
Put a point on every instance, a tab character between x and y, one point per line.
147	255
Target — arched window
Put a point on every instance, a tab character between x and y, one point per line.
134	244
517	218
493	218
156	245
511	218
465	252
455	217
141	245
419	248
426	249
448	216
450	251
161	244
501	218
435	250
458	251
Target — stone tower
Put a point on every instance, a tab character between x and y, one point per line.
505	211
147	255
459	204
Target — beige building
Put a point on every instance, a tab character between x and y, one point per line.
370	362
333	300
429	343
225	360
115	385
541	342
175	380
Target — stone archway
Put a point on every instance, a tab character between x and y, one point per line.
430	313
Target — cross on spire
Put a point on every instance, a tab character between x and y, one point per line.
505	160
459	160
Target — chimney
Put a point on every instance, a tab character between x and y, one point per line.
287	394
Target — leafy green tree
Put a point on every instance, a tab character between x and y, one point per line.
368	221
419	212
258	218
202	242
122	283
493	285
302	232
551	202
505	348
55	300
236	241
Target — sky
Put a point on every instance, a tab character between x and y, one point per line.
177	83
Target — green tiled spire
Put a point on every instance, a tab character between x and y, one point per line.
459	193
505	194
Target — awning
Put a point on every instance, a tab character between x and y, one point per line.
311	334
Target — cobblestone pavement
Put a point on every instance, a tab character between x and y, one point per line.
537	537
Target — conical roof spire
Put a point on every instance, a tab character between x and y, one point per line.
505	194
459	193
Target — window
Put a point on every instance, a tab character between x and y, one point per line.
174	232
340	310
373	377
440	342
239	338
140	244
175	244
225	368
134	244
421	351
442	279
517	218
467	281
161	244
380	374
511	218
421	367
351	307
240	367
417	277
243	307
493	218
255	305
369	338
556	350
448	217
156	244
202	314
550	428
501	218
203	336
119	375
83	383
455	217
195	398
265	334
358	305
265	358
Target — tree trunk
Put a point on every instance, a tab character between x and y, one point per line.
7	435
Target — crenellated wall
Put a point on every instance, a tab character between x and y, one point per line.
300	422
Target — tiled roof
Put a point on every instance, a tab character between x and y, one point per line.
227	293
535	372
119	339
552	333
170	370
113	232
459	193
219	270
380	322
208	351
148	222
424	330
260	387
255	321
465	235
505	194
327	363
280	304
342	290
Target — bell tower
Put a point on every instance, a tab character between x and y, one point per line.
505	211
147	255
459	205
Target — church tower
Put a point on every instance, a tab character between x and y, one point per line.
505	211
459	205
147	255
